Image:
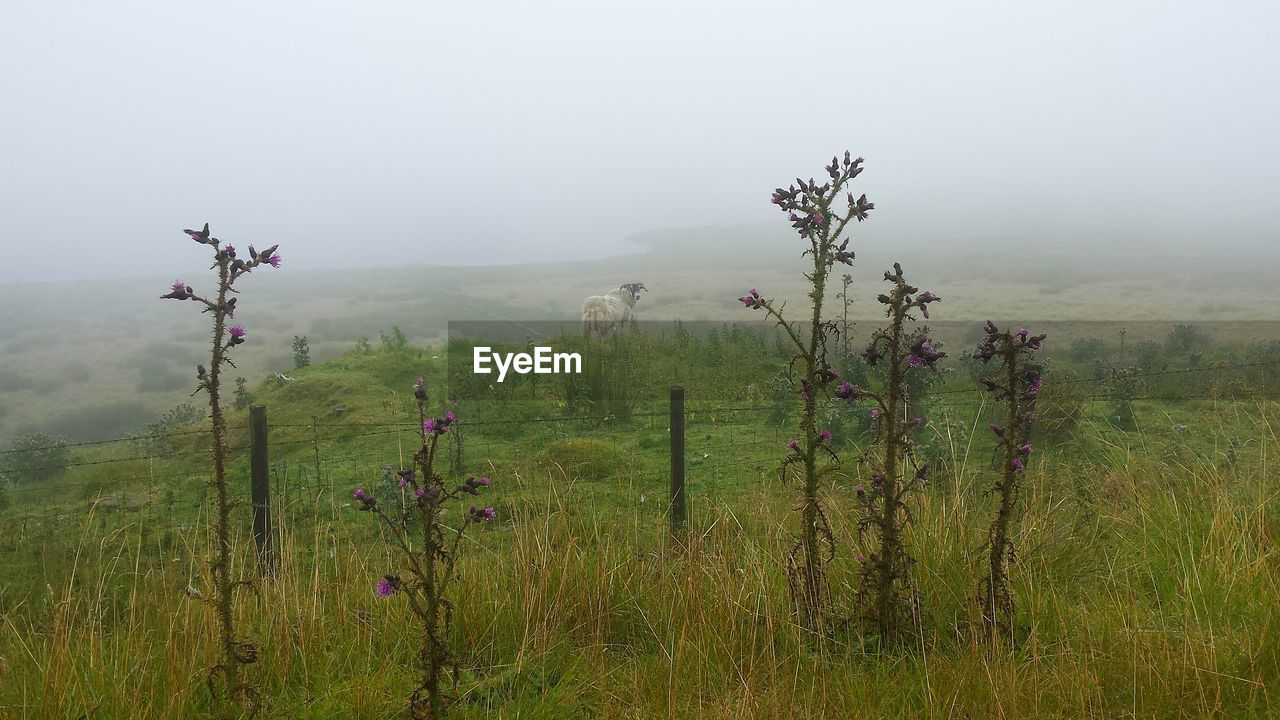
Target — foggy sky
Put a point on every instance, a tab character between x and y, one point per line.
379	133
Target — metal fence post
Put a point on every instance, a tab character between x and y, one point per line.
679	519
260	481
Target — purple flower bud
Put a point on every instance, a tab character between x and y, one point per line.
200	371
793	444
825	435
484	481
359	494
230	250
1025	449
420	389
420	492
449	417
996	429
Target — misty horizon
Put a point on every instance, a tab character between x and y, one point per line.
385	135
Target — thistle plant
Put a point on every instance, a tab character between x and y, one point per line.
1015	386
885	592
225	679
812	210
430	564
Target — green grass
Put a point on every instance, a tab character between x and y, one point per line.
1147	580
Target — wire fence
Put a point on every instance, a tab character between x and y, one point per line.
726	444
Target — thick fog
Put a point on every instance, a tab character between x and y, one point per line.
377	133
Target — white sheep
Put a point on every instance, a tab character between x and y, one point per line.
602	315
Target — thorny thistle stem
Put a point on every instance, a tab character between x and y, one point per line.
886	592
812	212
1017	388
431	568
235	652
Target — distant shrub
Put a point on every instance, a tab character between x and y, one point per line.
1087	350
35	458
243	398
583	458
396	341
1123	384
301	352
1148	355
1183	339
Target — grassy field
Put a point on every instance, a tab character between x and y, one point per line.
92	360
1147	581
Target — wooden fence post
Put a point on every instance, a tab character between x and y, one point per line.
261	489
679	519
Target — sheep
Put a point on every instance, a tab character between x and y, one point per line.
602	315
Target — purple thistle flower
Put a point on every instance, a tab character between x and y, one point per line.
1025	449
274	260
237	332
875	413
230	250
178	290
489	514
420	492
793	444
449	417
429	427
825	435
484	481
915	360
359	494
384	589
1018	464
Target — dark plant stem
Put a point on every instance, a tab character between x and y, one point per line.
223	585
889	558
1017	389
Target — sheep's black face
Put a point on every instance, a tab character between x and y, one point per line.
635	289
